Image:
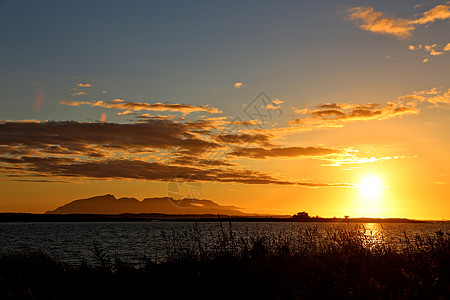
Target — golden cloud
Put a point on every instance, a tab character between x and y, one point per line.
84	85
137	106
335	114
238	85
378	22
436	96
374	21
440	12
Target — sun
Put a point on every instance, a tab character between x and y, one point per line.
370	201
370	186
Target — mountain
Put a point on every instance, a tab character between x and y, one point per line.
108	204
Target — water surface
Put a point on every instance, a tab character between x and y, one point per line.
131	241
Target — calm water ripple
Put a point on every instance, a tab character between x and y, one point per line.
131	241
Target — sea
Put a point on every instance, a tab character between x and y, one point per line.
75	242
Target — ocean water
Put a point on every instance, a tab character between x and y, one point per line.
131	241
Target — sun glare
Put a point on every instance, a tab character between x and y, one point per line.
370	186
370	199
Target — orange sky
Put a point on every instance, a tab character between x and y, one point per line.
289	115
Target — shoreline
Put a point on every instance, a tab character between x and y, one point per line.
158	217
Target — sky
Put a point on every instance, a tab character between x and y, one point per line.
331	107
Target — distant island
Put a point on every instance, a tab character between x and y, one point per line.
109	205
107	208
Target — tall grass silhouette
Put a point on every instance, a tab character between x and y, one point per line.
222	262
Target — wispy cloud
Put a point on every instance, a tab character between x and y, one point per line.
435	96
277	101
439	12
262	153
74	103
245	138
351	158
379	22
123	113
336	114
138	106
78	93
84	85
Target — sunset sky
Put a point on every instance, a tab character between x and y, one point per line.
331	107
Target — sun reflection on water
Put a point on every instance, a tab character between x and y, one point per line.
373	234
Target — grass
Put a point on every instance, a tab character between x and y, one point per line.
223	263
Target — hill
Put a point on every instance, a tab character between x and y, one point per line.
109	205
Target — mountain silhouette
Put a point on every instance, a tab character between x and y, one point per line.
108	204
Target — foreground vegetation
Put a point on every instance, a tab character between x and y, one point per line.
221	264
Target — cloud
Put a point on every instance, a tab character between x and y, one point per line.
195	160
434	52
336	114
378	22
261	153
74	103
142	170
84	85
238	85
440	12
274	105
78	93
271	107
157	150
350	157
36	180
431	49
277	101
244	138
82	138
244	122
138	106
436	96
123	113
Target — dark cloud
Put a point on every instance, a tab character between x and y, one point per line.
136	169
284	152
192	160
93	138
156	150
244	138
36	180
